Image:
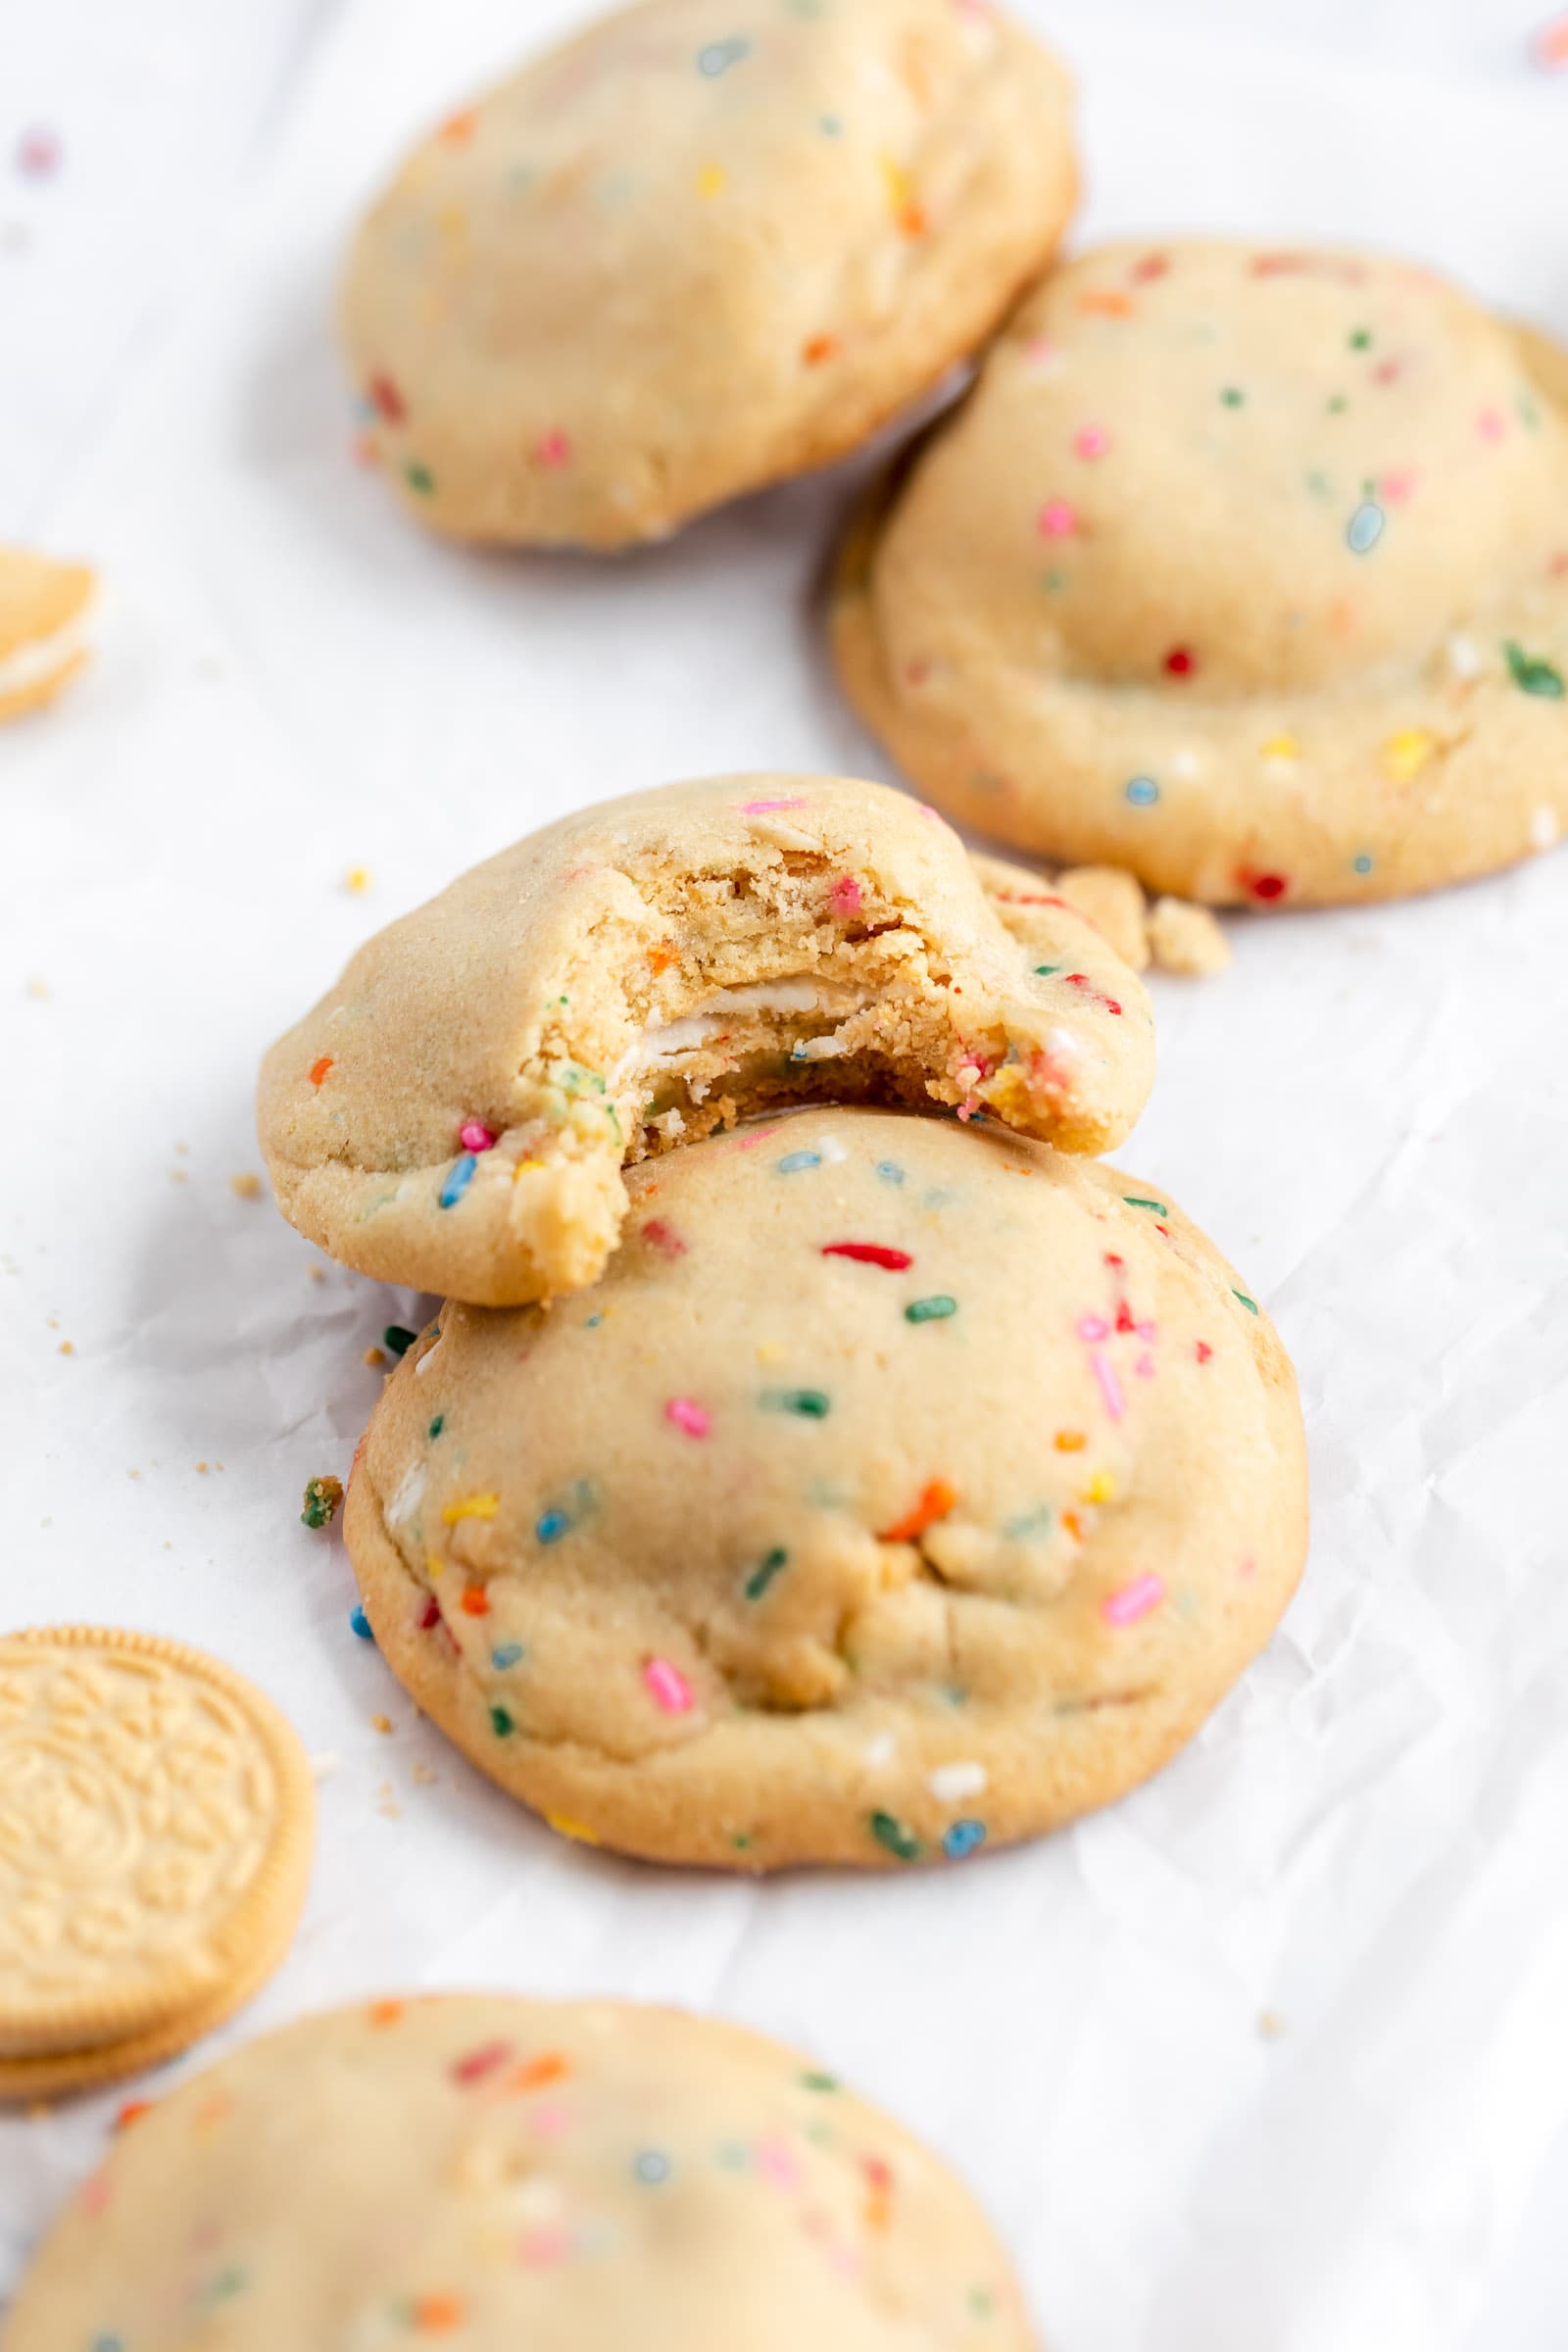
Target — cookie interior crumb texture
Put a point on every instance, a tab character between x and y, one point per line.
46	616
1245	569
679	257
455	1113
507	2172
897	1491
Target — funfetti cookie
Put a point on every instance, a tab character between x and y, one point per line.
898	1490
697	249
456	1112
157	1817
497	2173
46	628
1244	567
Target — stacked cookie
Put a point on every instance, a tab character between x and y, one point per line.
821	1456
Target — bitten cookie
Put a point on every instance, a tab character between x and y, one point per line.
157	1815
456	1112
695	251
500	2173
45	622
1243	567
896	1491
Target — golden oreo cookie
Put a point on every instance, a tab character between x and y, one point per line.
156	1825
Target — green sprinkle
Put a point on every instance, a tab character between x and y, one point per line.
1362	340
809	1402
1043	971
420	477
1533	673
1338	405
982	2302
758	1582
935	1309
892	1834
437	1426
1250	1305
1233	396
819	2082
397	1338
742	1843
1137	1200
501	1722
322	1496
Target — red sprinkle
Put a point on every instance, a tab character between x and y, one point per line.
664	1238
1153	265
1205	1351
869	1254
388	399
1179	661
430	1615
480	2062
1268	886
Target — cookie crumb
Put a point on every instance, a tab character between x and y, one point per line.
39	989
68	1346
246	1184
357	881
1109	898
325	1764
322	1498
380	1723
1187	938
1271	2027
376	1358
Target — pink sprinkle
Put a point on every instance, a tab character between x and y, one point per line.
777	2162
1147	1331
1248	1568
667	1686
1131	1601
478	2063
1490	425
553	448
1058	519
542	2248
1145	1367
475	1136
688	1415
95	2193
971	1109
550	2121
1041	350
38	153
1091	441
845	896
749	1143
1400	485
664	1238
765	808
843	2260
1093	1327
1109	1385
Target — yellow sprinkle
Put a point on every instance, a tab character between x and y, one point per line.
1282	747
472	1506
900	186
452	221
770	1352
434	1564
1100	1488
572	1829
711	181
357	881
526	1167
1405	755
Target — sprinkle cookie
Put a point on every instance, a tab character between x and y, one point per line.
1245	568
155	1824
46	620
897	1491
498	2172
696	250
456	1112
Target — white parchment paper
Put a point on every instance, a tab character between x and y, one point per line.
1365	1849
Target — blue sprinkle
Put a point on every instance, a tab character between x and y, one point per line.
890	1171
831	124
1143	792
506	1655
1029	1523
719	56
457	1183
551	1526
1363	864
1364	528
652	2166
108	2344
361	1623
963	1838
593	1322
793	1161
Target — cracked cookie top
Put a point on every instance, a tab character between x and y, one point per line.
686	255
896	1491
456	1112
1244	567
500	2173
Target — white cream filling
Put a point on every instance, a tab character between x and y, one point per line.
660	1048
30	664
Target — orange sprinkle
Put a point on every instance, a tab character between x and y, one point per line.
1107	305
458	129
438	2314
937	1499
386	2013
367	450
879	2198
820	348
659	959
536	2072
1071	1522
1070	1441
912	221
319	1070
476	1600
131	2113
